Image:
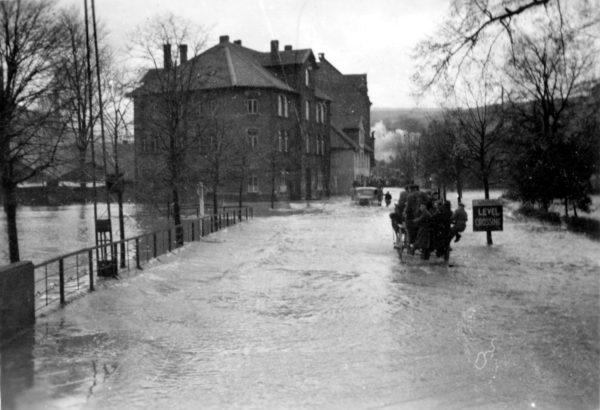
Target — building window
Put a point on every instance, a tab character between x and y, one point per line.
280	104
285	141
322	145
317	144
252	183
320	113
280	141
253	137
307	109
283	106
252	106
307	143
306	77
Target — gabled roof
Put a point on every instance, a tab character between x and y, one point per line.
224	65
232	65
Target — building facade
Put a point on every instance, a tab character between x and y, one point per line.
352	144
247	124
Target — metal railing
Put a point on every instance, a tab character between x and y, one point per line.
66	277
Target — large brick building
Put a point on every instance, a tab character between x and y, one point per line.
268	114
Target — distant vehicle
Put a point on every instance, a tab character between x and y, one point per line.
365	196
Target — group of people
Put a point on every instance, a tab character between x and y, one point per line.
429	221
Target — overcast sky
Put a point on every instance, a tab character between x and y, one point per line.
358	36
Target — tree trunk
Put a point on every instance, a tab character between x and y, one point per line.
459	186
272	193
567	207
486	189
215	204
82	182
10	209
121	227
177	218
240	202
575	210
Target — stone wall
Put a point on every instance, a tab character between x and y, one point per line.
17	305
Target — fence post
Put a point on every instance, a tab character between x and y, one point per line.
91	268
137	253
169	240
61	280
193	232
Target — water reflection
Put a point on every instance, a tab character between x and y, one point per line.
16	368
48	231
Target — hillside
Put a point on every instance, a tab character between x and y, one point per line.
409	119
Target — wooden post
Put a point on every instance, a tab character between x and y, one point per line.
91	268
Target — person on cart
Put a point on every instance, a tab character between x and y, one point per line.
424	229
459	221
441	233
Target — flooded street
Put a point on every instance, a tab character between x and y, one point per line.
313	310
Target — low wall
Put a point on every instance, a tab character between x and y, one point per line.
17	305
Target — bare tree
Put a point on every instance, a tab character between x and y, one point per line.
481	119
551	67
169	87
275	161
219	152
73	87
118	119
31	43
444	153
474	28
408	156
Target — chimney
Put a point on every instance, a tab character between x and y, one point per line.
238	42
167	61
274	51
224	39
183	53
288	48
321	56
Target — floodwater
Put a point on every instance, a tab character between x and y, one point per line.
313	310
45	232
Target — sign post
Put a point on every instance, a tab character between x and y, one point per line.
487	216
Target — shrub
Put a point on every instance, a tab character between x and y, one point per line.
530	211
589	226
